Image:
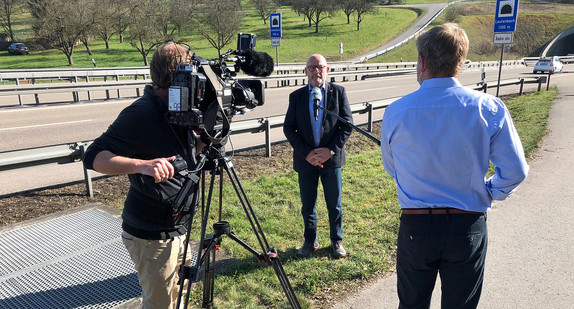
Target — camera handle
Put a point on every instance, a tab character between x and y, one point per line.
208	244
365	133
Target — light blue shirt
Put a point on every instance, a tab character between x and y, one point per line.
437	143
316	125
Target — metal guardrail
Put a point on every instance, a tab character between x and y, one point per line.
286	75
73	152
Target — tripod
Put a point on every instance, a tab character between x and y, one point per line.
217	162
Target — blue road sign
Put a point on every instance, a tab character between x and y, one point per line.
275	24
505	16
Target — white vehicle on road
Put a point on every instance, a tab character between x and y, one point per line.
548	64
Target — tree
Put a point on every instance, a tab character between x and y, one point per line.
60	23
348	8
264	8
107	12
362	7
8	8
322	9
144	34
304	7
219	21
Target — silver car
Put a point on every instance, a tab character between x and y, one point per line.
548	64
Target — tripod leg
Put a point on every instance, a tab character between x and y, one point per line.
208	277
271	253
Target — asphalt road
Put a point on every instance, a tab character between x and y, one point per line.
531	234
37	126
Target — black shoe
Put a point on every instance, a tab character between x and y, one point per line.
307	248
338	250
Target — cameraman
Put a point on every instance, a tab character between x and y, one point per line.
143	144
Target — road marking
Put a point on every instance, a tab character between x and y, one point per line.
32	108
46	125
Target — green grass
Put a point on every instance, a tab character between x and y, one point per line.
478	22
371	219
298	43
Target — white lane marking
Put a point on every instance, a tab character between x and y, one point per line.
46	125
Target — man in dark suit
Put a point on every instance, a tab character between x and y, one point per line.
318	139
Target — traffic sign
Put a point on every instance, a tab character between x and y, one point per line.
275	25
505	16
275	41
503	38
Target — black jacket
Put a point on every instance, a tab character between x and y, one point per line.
297	126
142	131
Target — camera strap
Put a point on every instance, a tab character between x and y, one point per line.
210	124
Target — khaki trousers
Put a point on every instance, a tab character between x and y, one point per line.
157	263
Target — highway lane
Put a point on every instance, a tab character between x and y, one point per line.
35	126
48	125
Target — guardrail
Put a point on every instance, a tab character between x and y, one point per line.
73	152
27	82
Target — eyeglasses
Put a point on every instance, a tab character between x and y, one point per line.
315	67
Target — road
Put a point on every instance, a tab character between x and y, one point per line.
36	126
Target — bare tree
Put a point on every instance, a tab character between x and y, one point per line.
264	8
60	23
123	17
172	16
362	7
143	33
348	8
322	9
8	8
106	14
304	7
219	21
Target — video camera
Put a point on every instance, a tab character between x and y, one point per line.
205	96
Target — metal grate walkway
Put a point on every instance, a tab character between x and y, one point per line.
74	261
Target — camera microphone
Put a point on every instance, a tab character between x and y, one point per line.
316	96
256	63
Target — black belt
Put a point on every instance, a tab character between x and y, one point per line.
438	211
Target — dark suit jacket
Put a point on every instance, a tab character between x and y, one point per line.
297	126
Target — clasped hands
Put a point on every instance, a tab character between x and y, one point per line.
318	156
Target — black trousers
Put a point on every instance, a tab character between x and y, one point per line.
452	245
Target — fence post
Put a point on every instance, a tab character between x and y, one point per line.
137	88
521	86
107	90
89	92
267	137
87	176
370	124
19	96
484	87
35	94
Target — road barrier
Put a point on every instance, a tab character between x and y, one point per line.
75	81
73	152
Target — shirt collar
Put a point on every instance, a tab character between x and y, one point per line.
441	82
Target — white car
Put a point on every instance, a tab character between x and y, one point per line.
548	64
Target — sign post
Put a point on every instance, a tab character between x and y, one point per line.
275	32
504	25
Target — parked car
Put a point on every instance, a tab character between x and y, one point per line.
18	49
548	64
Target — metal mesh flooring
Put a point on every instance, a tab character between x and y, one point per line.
74	261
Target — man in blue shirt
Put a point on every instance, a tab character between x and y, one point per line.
318	141
437	143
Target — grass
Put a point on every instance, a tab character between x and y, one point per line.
478	22
299	41
371	219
